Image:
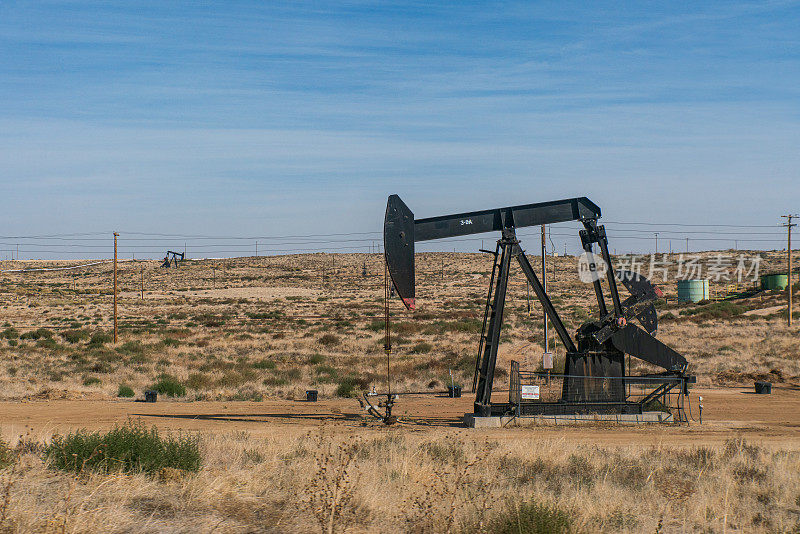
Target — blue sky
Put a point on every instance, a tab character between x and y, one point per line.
251	118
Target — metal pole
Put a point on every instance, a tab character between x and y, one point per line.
115	286
656	242
256	249
789	226
544	286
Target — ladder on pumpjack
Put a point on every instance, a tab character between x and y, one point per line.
488	314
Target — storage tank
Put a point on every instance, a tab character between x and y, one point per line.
774	281
692	290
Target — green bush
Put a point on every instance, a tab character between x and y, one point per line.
131	448
131	347
9	333
74	336
170	342
264	364
37	334
47	343
422	347
376	325
329	339
210	320
170	386
531	518
716	310
7	455
125	391
100	338
91	381
349	386
316	359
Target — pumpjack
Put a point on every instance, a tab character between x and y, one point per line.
172	258
595	378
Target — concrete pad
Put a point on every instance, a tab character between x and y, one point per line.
473	421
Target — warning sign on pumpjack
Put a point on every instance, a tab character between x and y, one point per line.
530	392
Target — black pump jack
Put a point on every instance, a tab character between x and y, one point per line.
595	363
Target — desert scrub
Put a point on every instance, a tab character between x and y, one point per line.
131	448
264	364
74	336
350	386
7	455
315	359
131	348
717	310
125	391
100	338
529	518
422	347
47	343
9	333
37	334
329	339
169	385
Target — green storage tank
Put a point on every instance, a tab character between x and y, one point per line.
774	281
692	290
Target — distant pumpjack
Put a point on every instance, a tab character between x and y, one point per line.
172	258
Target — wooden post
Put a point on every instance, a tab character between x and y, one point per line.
142	282
115	286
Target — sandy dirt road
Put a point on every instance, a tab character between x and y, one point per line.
728	412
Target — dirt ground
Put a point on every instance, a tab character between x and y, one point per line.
768	419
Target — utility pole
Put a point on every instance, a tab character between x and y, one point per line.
687	244
142	273
544	286
256	249
788	226
115	286
656	242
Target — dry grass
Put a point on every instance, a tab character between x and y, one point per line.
275	326
400	481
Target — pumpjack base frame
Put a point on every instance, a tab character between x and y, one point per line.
497	421
502	409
